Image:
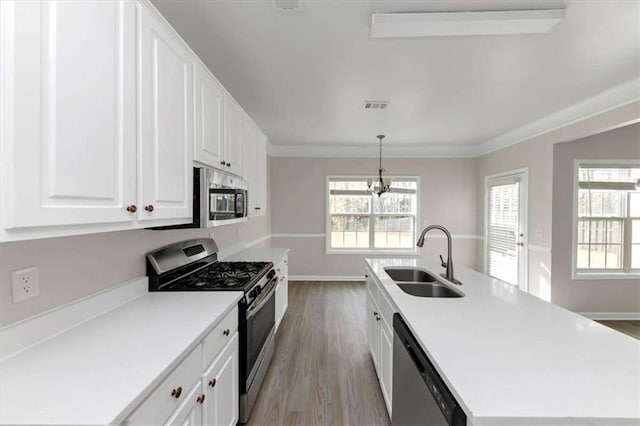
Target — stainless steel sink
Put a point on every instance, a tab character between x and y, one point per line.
428	289
417	282
409	275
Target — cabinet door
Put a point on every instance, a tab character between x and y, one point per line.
209	114
385	363
233	137
68	142
221	387
249	146
372	330
166	110
190	412
261	174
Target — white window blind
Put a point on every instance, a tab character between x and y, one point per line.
608	218
503	227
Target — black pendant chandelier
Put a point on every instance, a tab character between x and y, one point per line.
379	186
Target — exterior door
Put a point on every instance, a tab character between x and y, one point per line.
505	228
69	144
166	109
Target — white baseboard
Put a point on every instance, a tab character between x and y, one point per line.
23	334
326	278
620	316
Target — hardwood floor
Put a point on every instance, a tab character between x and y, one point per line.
321	372
631	328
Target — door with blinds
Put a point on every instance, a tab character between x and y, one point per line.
505	228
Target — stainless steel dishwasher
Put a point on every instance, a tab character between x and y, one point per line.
420	396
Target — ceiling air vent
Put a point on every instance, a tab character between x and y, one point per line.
375	105
288	5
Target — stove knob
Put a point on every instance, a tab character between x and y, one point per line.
258	290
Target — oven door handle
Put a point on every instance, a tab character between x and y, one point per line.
255	308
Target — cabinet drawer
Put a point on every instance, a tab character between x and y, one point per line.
220	336
170	394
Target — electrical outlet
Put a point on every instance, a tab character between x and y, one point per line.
25	284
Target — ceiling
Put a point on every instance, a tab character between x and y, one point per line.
303	76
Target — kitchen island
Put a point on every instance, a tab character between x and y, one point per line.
511	358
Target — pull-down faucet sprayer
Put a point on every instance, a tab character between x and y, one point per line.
449	263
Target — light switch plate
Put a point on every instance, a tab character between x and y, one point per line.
25	284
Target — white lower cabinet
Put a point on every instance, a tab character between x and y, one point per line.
220	388
190	412
282	289
203	389
379	323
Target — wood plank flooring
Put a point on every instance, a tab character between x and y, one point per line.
631	328
321	372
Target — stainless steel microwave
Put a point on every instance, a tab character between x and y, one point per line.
218	199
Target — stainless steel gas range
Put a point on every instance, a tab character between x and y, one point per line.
193	265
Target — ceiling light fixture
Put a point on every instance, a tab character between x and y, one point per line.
381	185
444	24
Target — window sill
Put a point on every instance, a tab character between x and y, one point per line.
397	252
583	275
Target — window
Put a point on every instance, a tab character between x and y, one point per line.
361	221
607	237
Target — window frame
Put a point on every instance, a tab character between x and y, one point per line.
601	274
371	250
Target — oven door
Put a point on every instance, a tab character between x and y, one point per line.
260	322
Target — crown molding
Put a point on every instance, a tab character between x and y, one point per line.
362	151
604	102
617	97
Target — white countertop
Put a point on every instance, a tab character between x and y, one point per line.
99	371
511	358
259	255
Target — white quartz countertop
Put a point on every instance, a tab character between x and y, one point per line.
259	255
511	358
99	371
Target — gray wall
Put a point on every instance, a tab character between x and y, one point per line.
587	295
448	197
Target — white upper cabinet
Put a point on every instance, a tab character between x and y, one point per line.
261	175
166	122
103	109
233	144
209	112
68	115
255	155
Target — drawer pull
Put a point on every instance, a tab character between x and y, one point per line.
149	208
176	392
132	208
228	164
226	332
200	399
212	382
377	318
223	163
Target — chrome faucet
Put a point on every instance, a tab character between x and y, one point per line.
448	265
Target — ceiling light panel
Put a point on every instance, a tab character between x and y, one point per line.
447	24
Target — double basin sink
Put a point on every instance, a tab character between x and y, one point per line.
418	282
